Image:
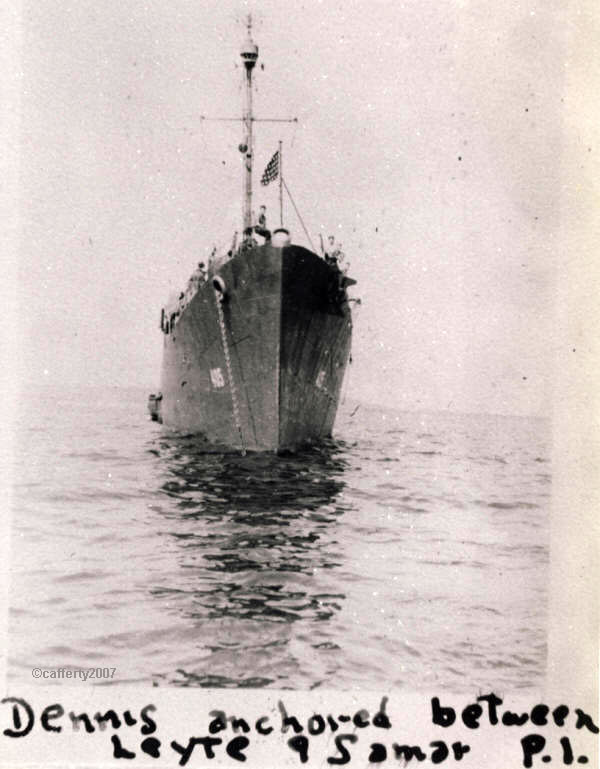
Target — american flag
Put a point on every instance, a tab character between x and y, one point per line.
272	170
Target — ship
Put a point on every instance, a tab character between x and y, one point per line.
256	347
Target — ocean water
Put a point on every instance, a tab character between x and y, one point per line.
411	551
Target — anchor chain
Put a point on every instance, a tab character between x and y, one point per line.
236	413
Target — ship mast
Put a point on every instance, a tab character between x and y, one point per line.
249	54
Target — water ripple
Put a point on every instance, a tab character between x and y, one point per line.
387	557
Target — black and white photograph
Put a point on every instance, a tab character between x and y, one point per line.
302	395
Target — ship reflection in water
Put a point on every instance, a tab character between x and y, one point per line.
387	559
256	540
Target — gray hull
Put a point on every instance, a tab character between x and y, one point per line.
261	370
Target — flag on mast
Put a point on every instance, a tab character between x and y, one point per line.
271	172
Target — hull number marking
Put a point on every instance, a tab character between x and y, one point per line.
216	377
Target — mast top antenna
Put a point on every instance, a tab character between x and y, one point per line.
249	51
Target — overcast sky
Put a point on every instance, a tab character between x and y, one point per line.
429	141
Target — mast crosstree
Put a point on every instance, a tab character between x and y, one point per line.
249	54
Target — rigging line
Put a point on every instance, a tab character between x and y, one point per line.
298	214
223	119
253	120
